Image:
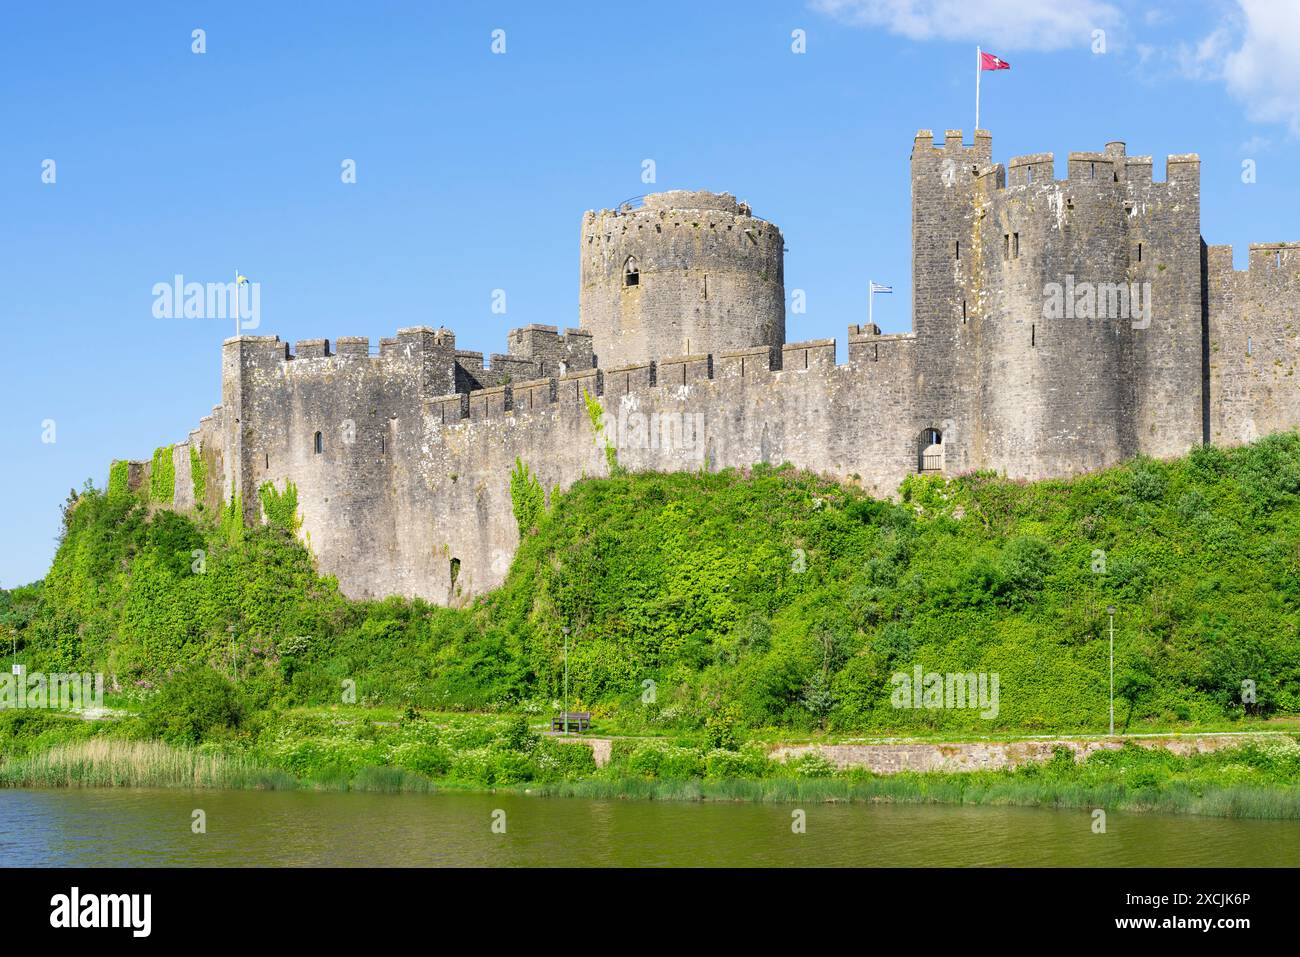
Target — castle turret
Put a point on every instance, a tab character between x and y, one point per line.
1059	320
686	273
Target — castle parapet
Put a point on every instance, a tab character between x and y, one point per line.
1085	167
745	362
352	345
533	394
980	152
1137	170
813	354
450	409
1183	168
619	382
514	367
489	403
570	388
1031	168
683	370
311	349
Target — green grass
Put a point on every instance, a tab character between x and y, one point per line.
691	624
348	749
105	762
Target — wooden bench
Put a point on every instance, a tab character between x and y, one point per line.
578	721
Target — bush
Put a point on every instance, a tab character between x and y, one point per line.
430	760
191	706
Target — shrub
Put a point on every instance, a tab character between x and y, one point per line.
191	706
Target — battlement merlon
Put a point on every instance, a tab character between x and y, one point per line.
552	350
1265	262
979	153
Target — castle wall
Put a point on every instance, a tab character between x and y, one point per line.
407	489
1254	342
406	482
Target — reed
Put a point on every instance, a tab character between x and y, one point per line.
105	762
1255	803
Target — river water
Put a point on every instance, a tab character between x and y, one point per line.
95	827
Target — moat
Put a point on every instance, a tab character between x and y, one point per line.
107	828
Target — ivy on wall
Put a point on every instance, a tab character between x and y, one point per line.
280	508
118	475
597	416
232	521
199	475
526	498
162	476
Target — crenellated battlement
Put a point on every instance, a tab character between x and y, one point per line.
1085	168
758	367
1265	262
402	457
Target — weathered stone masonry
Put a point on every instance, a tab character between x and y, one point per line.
402	458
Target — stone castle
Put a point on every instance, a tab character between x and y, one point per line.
402	459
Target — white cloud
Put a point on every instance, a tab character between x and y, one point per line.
1003	24
1264	71
1203	60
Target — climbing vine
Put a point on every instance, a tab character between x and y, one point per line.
118	475
232	521
526	498
162	476
597	416
199	475
280	508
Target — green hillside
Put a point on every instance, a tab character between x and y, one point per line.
773	599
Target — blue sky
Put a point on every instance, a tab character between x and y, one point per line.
474	168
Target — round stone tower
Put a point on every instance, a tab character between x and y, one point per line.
686	273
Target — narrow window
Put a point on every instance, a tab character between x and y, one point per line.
1278	262
1249	345
706	287
1015	240
1033	335
631	274
957	247
319	443
1006	246
1092	170
963	311
1139	252
268	460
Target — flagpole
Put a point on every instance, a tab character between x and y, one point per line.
978	65
871	293
236	303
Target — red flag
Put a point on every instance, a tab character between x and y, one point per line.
990	62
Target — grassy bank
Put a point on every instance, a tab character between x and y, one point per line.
978	788
340	751
760	599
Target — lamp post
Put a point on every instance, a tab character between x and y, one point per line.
1110	610
565	629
